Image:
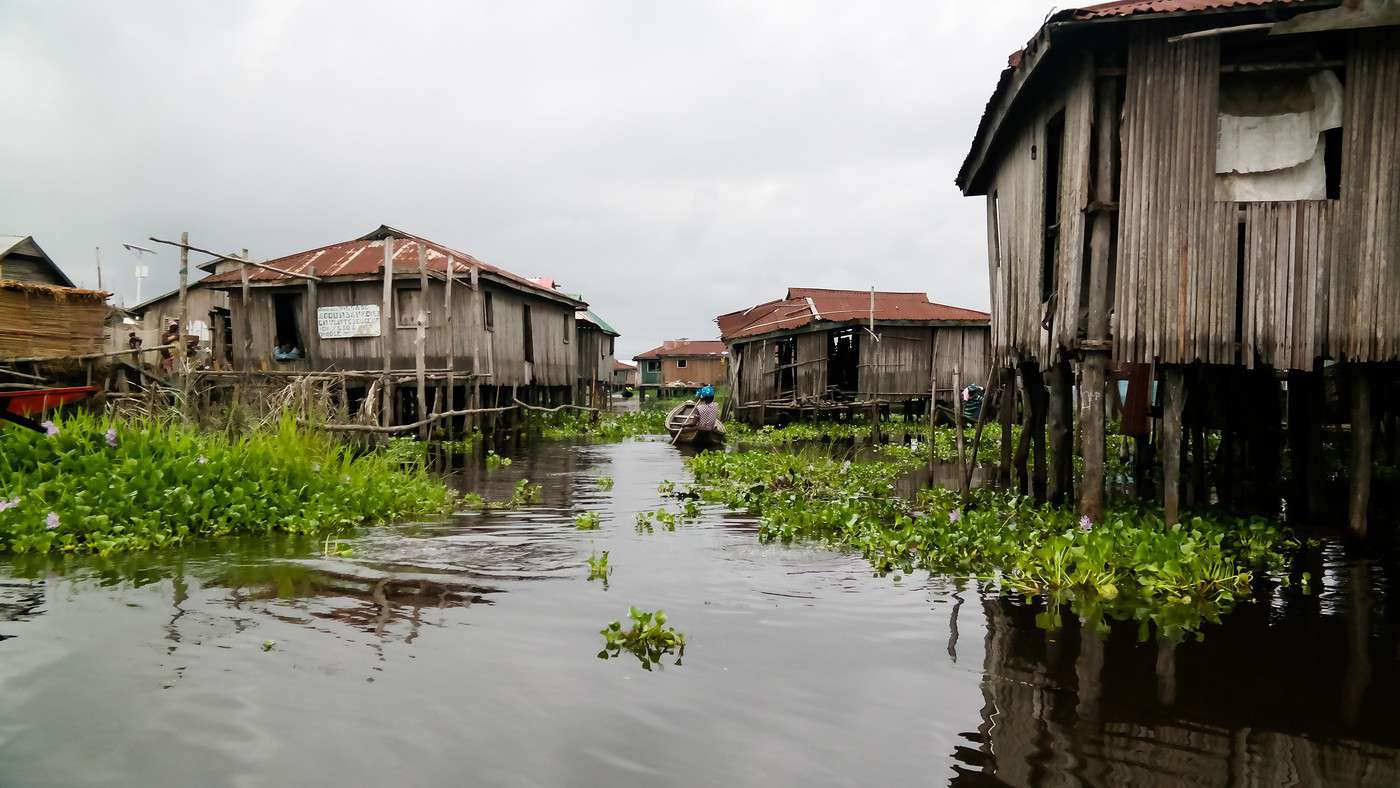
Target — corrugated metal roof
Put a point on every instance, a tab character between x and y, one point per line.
685	347
1134	7
364	256
804	305
592	317
623	366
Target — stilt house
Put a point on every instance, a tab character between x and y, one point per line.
682	364
393	306
1208	190
597	353
828	349
42	315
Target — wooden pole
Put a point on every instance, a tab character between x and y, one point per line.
180	354
386	331
958	431
932	400
1006	415
1362	444
313	338
420	339
1023	446
1038	399
1061	482
1095	369
451	346
1173	400
981	419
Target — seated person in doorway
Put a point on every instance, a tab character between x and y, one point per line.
285	351
705	417
133	341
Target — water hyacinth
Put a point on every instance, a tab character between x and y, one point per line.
50	428
1085	524
954	516
161	484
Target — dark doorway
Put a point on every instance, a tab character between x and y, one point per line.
285	308
786	350
843	362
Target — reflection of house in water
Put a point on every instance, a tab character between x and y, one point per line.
1271	698
371	598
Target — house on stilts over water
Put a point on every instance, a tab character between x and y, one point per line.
425	327
818	351
1201	194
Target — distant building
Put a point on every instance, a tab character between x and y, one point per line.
817	348
624	374
683	363
42	315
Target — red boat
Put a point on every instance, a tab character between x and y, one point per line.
18	406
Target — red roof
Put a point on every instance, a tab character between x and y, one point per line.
623	366
1132	7
364	256
685	347
804	305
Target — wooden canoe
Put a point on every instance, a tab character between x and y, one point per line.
676	422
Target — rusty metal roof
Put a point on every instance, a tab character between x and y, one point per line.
804	305
364	256
1024	61
685	347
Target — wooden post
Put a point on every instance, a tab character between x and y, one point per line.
181	355
1061	483
1006	414
1362	443
1033	429
386	331
451	347
1095	368
313	338
987	392
875	437
958	431
932	410
1173	400
1023	446
420	338
1317	413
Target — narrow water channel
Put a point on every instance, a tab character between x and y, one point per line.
464	653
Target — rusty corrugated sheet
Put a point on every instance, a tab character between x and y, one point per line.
836	306
1134	7
365	257
685	347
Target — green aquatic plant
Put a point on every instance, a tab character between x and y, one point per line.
607	426
405	451
605	482
598	568
494	460
666	518
1131	565
108	486
587	521
525	494
648	639
645	522
333	548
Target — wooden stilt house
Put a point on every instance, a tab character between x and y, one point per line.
43	317
1207	191
818	349
410	313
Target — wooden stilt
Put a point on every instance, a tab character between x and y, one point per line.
1091	495
1006	414
958	432
1023	446
420	339
1061	481
1173	398
1362	444
1039	400
447	322
386	333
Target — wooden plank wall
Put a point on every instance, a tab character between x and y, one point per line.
1016	226
1363	321
967	347
810	380
898	365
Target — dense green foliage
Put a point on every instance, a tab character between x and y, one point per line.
649	639
96	485
1129	566
608	426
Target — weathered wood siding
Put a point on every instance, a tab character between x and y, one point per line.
502	349
595	354
896	367
1016	227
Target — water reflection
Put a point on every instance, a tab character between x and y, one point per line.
473	640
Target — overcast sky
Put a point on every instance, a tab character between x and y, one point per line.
672	161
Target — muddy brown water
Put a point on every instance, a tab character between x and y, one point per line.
463	653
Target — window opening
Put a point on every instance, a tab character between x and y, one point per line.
680	363
527	332
1054	144
407	302
568	326
786	350
285	308
489	311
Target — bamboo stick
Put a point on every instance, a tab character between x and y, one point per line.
185	247
386	329
420	339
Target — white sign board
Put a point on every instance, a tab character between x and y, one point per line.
340	322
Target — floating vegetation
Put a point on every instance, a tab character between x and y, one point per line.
494	460
607	426
525	494
1129	566
96	485
605	482
648	639
646	522
598	568
268	645
587	521
332	548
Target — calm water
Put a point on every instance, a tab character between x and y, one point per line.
463	653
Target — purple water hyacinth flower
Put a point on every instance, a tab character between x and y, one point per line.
1085	524
10	504
112	437
954	516
51	522
50	428
201	459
